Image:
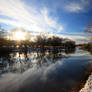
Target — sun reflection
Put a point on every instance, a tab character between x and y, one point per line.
21	56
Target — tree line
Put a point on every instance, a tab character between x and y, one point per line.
41	41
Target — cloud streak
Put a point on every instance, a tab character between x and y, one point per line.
18	14
74	7
77	38
78	6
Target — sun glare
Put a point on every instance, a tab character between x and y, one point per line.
19	36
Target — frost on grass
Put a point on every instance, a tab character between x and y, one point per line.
88	85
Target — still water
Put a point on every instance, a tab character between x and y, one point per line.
43	71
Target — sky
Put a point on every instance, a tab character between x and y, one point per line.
67	18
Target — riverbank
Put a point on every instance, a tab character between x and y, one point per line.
88	85
85	84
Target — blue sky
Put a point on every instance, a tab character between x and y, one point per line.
67	18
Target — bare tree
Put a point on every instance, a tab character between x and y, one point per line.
89	31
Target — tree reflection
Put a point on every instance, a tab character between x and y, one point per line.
19	62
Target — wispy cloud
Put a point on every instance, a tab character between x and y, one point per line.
77	38
78	6
18	14
74	7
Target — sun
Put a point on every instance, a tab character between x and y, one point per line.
19	35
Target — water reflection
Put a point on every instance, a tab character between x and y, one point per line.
18	62
43	71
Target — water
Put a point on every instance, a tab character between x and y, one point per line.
43	71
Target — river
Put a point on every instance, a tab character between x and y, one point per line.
43	71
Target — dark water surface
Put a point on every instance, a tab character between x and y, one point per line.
43	71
